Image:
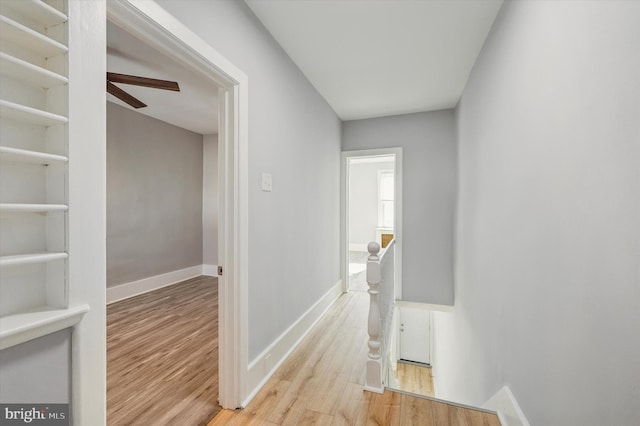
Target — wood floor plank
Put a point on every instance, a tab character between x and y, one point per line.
283	409
314	418
359	372
162	350
440	414
363	415
415	411
489	419
349	405
474	418
293	418
265	401
299	358
333	381
384	409
224	417
457	416
414	379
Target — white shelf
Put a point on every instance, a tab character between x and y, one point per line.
20	35
29	73
32	31
32	157
24	326
38	10
23	259
30	115
33	208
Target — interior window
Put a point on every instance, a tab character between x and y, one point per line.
386	186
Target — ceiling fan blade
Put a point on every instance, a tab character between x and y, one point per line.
143	81
124	96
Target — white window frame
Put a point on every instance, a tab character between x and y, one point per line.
381	222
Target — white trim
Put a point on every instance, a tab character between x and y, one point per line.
394	348
210	270
153	25
431	343
508	409
145	285
379	390
344	213
445	401
264	365
86	177
381	175
424	306
344	219
25	326
501	418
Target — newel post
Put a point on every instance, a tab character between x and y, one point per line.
374	363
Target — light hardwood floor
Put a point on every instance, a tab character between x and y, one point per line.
321	383
358	281
414	379
162	356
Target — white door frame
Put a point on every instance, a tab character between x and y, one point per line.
153	25
344	212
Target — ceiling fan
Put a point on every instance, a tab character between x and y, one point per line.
136	81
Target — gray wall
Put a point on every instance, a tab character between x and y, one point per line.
38	371
154	196
548	277
429	186
363	201
294	243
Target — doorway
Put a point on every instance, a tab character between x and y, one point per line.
149	23
162	198
415	332
372	211
409	369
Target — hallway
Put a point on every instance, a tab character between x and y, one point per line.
321	382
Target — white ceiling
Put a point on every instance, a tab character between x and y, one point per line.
371	58
367	58
194	108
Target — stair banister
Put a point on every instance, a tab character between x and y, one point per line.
374	363
380	277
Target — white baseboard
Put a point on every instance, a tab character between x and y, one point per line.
210	270
508	409
145	285
264	365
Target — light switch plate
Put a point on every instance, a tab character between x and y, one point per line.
266	182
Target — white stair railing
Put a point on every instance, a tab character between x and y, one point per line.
380	277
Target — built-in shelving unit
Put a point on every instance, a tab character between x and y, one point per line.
25	259
30	73
33	208
29	39
37	322
31	157
29	115
38	11
33	173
